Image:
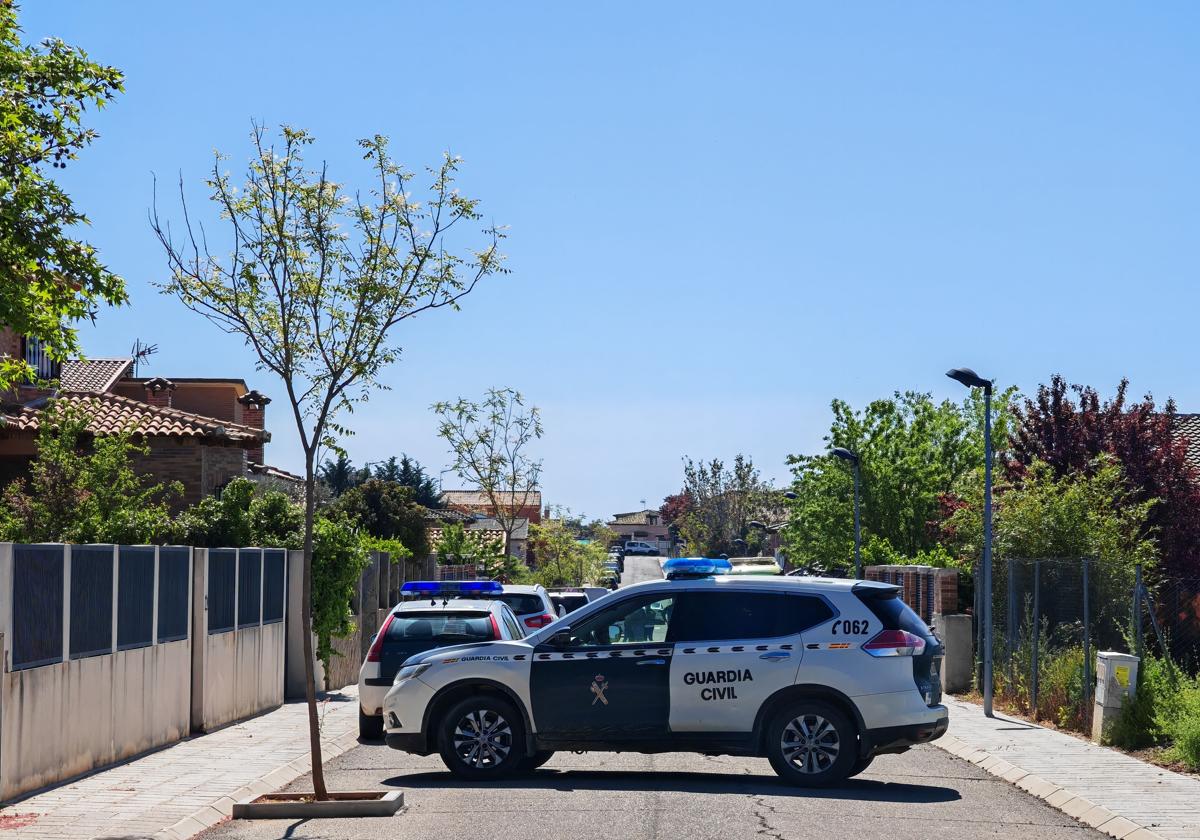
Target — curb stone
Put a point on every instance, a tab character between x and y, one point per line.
216	812
1076	807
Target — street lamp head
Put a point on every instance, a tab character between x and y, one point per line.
970	378
789	494
754	523
844	454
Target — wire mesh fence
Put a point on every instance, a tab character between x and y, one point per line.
1051	615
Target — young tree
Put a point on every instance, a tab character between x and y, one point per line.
315	281
489	441
1069	436
723	503
563	559
49	279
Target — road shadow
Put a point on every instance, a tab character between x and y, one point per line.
866	790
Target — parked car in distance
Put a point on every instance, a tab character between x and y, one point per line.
641	548
435	614
754	566
532	605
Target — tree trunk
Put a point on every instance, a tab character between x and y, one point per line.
310	689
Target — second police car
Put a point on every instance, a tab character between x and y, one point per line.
818	675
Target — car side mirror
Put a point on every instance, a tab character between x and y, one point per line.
561	638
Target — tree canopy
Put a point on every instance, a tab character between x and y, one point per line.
1069	436
49	278
913	452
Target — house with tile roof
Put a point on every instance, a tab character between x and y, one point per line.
526	504
201	432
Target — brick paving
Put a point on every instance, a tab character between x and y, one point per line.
183	789
1102	787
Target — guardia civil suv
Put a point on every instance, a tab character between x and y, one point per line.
818	675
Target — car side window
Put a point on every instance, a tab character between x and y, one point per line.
514	626
637	621
730	616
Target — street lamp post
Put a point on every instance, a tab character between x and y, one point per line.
847	455
971	379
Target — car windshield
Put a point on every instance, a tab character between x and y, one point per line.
457	626
523	603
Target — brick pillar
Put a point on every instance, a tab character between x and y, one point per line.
159	391
254	414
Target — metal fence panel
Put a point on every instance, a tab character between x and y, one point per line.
274	585
222	578
38	577
135	597
249	587
174	575
91	600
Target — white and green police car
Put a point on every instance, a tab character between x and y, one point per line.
818	675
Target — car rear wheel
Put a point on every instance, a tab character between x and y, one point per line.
482	738
811	743
370	727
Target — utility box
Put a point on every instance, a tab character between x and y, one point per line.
1116	684
959	643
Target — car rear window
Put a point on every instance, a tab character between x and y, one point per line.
570	602
464	626
891	610
523	604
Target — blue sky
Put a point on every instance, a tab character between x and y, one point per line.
721	216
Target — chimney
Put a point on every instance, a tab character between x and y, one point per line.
159	391
254	408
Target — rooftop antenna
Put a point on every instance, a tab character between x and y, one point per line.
141	352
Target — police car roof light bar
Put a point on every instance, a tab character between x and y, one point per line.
449	587
696	567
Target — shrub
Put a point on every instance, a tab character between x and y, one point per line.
339	557
83	489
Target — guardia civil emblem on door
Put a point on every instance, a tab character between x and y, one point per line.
599	686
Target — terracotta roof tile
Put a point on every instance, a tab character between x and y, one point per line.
92	374
1188	426
111	413
475	499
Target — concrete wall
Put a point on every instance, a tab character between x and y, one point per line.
237	673
64	719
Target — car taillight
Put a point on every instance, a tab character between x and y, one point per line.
539	621
495	627
376	651
895	643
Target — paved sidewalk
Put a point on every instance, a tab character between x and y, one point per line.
181	790
1101	787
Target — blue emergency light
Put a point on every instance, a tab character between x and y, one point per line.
452	587
696	567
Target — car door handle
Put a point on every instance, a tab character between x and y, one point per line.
775	655
652	662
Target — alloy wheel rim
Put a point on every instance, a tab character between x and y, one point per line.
482	739
810	743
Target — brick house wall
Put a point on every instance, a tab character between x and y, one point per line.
201	469
926	589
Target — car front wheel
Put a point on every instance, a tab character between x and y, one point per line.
811	743
482	738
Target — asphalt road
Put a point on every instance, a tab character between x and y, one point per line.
638	569
922	794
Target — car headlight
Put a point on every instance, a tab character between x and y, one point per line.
408	672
